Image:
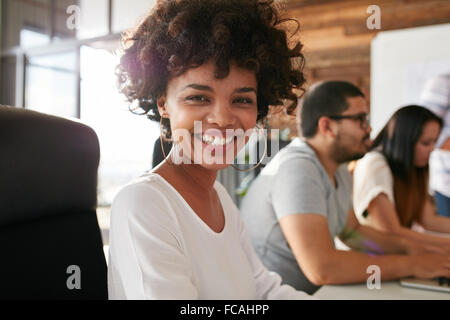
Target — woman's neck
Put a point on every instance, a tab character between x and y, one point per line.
187	175
195	175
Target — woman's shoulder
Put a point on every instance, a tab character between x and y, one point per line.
147	185
372	159
147	196
375	155
374	167
144	209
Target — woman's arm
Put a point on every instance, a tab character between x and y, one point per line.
431	221
364	238
383	216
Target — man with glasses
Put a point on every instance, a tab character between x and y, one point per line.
302	200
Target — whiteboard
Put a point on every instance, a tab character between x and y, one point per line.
401	62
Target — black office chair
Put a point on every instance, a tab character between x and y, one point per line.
50	241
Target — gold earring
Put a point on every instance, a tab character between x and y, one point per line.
260	161
161	138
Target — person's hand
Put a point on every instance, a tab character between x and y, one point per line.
429	266
416	248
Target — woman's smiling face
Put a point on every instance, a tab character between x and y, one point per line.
217	107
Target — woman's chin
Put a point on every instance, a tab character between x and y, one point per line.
209	163
217	162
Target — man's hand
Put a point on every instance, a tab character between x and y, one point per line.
431	266
417	248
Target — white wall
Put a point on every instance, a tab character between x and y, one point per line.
401	62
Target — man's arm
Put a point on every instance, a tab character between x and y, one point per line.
313	248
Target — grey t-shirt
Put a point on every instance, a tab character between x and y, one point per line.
293	182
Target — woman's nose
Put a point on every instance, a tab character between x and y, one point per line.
221	115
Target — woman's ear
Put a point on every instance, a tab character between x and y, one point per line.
161	103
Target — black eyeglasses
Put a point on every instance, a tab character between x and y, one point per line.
363	118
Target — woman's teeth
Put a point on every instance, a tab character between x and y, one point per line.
217	141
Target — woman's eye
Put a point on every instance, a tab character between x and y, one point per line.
197	98
243	100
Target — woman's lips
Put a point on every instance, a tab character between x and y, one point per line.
217	149
211	145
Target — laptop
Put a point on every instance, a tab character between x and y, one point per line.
439	284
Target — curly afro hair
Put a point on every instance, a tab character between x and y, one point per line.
182	34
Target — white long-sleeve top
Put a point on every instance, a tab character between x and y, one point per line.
161	249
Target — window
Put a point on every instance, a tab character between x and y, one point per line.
126	139
30	38
51	84
94	19
32	16
64	27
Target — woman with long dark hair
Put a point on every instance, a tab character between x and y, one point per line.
391	181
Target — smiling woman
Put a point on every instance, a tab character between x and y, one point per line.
207	70
222	107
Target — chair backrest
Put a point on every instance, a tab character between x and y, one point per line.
50	240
